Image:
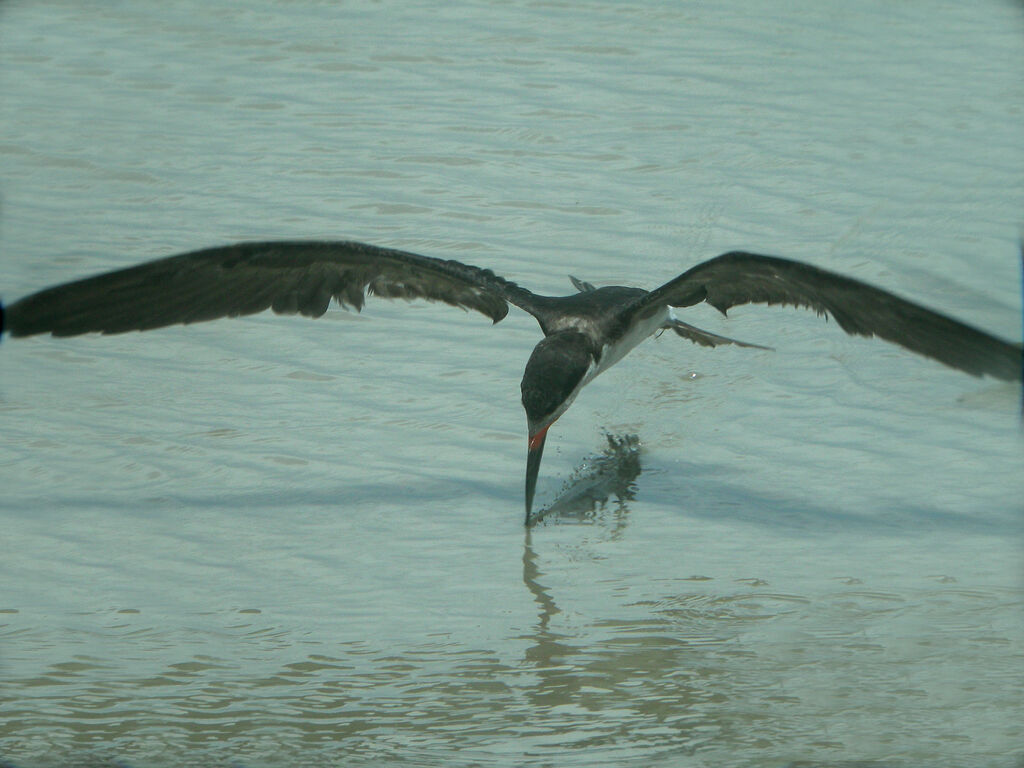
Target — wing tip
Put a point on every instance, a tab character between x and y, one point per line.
8	324
499	313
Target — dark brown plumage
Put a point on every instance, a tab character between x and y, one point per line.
860	309
288	277
585	333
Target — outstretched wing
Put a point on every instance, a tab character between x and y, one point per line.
289	277
742	278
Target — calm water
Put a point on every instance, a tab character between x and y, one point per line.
274	541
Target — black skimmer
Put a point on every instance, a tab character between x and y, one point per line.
584	333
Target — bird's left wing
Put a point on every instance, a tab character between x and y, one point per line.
288	276
861	309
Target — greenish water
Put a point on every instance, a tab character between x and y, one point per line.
282	542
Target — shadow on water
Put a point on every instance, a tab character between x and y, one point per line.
716	492
696	490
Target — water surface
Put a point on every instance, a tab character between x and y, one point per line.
274	541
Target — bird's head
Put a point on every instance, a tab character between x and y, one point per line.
554	375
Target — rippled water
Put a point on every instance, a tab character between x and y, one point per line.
280	542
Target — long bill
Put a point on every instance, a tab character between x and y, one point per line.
535	449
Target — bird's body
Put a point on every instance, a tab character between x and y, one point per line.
596	322
584	333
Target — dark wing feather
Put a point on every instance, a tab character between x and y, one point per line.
706	338
861	309
242	279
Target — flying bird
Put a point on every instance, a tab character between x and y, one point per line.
584	333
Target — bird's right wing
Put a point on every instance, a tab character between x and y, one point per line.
288	276
861	309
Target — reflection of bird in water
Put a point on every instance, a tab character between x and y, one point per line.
584	333
531	576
